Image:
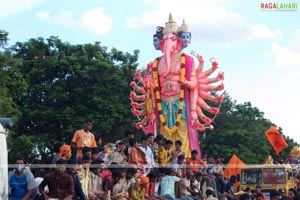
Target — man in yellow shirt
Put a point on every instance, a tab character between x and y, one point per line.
165	155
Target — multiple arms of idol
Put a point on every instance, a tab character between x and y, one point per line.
203	89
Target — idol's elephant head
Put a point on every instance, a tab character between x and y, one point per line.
170	45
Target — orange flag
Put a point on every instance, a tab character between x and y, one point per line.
275	138
233	167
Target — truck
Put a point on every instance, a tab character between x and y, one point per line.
268	176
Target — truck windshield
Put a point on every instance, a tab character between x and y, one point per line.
251	176
274	176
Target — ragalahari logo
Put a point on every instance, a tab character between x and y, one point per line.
268	6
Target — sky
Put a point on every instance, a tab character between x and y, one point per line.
258	49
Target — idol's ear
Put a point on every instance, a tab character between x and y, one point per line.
179	44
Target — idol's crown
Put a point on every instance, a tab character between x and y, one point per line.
171	26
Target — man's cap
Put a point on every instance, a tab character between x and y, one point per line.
144	180
64	149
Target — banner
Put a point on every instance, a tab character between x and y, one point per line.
276	139
234	166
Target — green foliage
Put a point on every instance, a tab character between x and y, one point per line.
68	84
3	38
21	146
11	83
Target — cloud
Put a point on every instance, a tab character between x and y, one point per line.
261	31
285	56
66	19
43	15
14	7
296	38
207	13
293	79
97	21
209	20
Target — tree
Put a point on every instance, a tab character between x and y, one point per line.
68	84
11	81
3	38
12	84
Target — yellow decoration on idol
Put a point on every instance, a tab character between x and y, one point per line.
157	94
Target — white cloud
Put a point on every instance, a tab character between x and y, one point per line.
293	79
43	15
284	56
261	31
209	20
296	38
195	12
14	7
97	21
66	19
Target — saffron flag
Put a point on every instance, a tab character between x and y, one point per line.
233	167
276	139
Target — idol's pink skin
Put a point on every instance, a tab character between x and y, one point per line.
136	105
137	88
206	80
169	71
138	75
133	84
205	74
136	97
170	46
138	113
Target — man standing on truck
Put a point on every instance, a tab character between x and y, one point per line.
83	138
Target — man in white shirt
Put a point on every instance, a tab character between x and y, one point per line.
147	150
218	171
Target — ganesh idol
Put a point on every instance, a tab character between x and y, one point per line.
169	97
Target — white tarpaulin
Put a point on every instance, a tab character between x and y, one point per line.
3	165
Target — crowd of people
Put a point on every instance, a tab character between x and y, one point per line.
152	168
